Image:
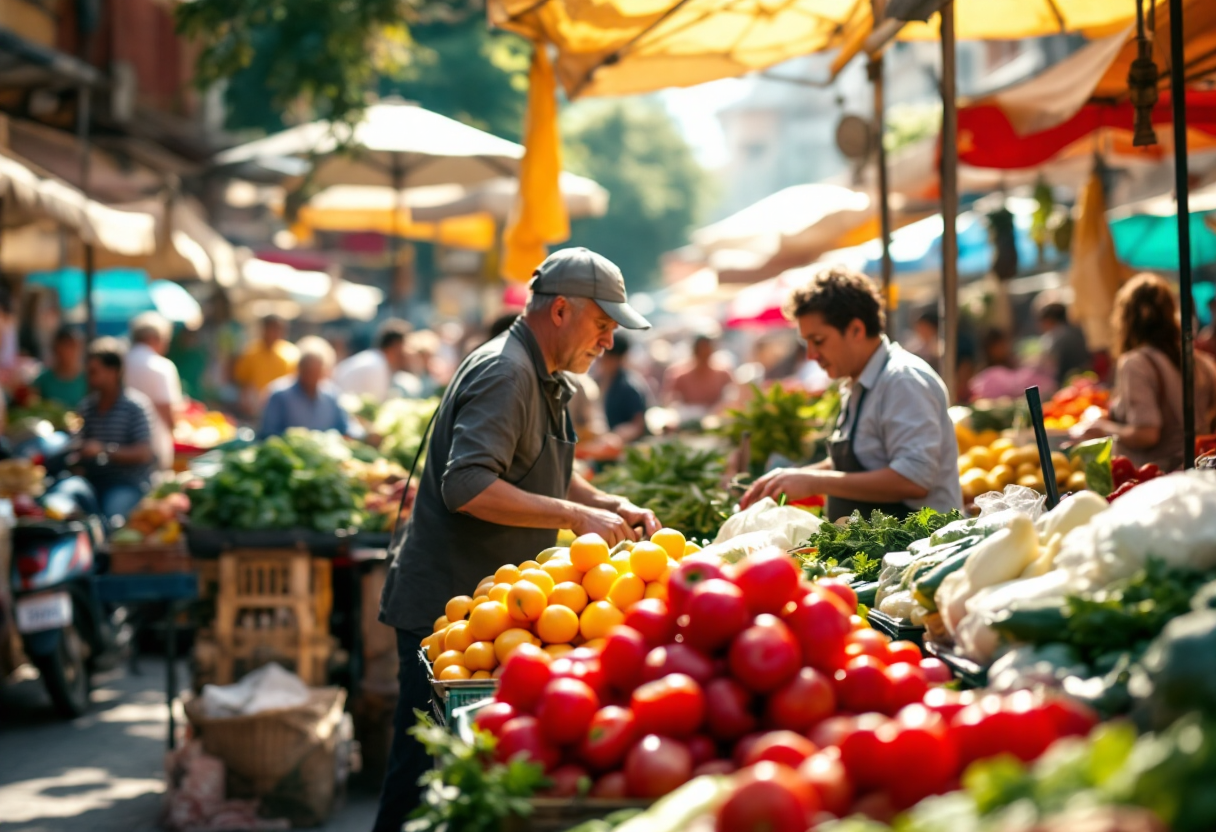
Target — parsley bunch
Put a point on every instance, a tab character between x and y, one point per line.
860	544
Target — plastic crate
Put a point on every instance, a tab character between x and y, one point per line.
970	673
897	629
449	696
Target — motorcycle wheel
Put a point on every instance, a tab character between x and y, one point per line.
65	676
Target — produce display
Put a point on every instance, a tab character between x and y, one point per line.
858	547
991	467
21	477
201	428
786	423
680	484
1081	400
154	521
400	424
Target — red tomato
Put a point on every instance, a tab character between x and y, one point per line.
653	619
612	786
714	767
524	677
1033	727
859	750
904	652
841	590
935	670
832	731
917	755
586	670
521	737
863	686
691	573
801	702
767	798
820	629
1070	717
765	656
908	684
980	733
716	613
728	710
677	658
867	642
567	781
612	733
769	580
622	656
657	765
945	701
743	747
827	776
783	747
492	717
565	710
702	748
673	706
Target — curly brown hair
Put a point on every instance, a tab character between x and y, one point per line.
839	295
1145	315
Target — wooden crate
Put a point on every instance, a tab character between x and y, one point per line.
145	559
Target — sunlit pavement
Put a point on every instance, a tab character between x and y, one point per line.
103	771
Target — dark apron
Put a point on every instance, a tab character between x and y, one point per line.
845	459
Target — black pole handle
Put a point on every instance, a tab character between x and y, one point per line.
1040	438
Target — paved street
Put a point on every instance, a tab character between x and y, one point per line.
103	771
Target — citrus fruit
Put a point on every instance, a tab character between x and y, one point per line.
498	592
440	623
557	625
454	673
481	674
690	547
569	594
457	637
480	656
598	619
648	560
657	589
594	644
562	571
626	591
483	588
558	650
599	579
528	564
506	574
457	609
539	577
434	646
488	621
446	659
621	561
588	551
672	542
526	601
508	640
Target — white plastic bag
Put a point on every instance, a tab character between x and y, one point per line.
268	688
1016	497
789	526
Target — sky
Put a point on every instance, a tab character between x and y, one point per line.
695	111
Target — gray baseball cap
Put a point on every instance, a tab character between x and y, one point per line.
581	273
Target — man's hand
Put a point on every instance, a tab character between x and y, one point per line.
635	517
794	483
91	448
607	524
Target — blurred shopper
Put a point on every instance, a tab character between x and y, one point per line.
191	358
1206	339
1146	408
308	399
64	382
925	342
266	360
698	383
1002	377
894	448
1062	344
115	438
625	393
417	381
149	372
370	373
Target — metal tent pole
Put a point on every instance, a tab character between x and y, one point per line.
884	188
83	116
1182	186
949	179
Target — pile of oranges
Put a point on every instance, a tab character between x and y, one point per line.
564	599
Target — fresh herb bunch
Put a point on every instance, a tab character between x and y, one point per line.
859	545
292	481
680	484
467	791
780	421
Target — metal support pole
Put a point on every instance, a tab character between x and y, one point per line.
884	188
949	179
83	116
396	279
1182	187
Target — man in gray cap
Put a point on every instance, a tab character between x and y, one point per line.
499	479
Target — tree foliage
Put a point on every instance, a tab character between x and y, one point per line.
633	148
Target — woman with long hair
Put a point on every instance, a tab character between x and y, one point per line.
1146	407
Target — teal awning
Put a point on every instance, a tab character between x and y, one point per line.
1148	241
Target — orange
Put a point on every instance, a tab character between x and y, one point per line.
588	551
455	673
621	561
558	650
569	594
498	592
526	601
434	646
440	623
557	625
477	601
626	591
594	644
648	560
488	621
446	659
690	547
528	564
483	588
508	640
658	589
671	540
506	574
539	577
481	674
480	656
599	580
457	609
562	571
458	637
598	619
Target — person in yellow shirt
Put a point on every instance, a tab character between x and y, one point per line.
265	360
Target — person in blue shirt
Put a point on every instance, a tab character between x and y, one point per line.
308	399
625	393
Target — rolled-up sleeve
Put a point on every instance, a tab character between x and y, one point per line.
912	430
492	412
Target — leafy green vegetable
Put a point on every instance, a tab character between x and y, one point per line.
782	422
467	790
1096	455
860	544
401	423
